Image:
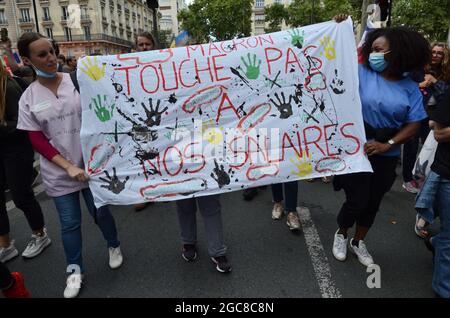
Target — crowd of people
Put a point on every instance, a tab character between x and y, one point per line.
404	89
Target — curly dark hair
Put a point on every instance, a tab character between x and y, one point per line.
409	50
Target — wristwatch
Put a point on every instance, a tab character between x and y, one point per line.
391	142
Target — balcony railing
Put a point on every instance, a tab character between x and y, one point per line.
94	37
25	20
23	1
4	21
45	19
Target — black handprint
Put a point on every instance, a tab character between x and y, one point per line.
141	133
285	108
298	94
220	176
114	184
144	155
337	85
153	115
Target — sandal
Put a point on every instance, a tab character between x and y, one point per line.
421	230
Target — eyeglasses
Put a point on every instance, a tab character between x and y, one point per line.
437	53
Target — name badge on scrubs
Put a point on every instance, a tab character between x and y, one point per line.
41	106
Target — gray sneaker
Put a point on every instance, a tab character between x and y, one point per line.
7	253
36	245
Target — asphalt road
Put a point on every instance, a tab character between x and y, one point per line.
268	260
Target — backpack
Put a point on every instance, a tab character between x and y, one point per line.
73	77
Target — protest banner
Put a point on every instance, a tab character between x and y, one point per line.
219	117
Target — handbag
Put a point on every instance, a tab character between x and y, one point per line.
425	159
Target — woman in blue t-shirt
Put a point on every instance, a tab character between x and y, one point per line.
392	109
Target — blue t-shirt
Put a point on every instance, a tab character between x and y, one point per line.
389	104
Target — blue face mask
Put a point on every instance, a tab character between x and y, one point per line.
41	73
377	62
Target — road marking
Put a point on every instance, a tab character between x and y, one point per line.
318	257
37	190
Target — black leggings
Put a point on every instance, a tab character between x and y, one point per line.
6	279
364	192
16	170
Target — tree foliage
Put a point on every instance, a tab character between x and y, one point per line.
275	14
430	17
217	19
299	12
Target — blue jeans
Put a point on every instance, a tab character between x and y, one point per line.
69	210
426	199
290	193
441	242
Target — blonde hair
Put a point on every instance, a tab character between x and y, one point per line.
445	64
3	80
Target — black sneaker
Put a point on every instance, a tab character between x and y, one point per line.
249	194
222	264
189	252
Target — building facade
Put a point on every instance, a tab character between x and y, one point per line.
258	17
81	27
169	15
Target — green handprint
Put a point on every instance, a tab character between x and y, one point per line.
103	112
297	37
252	71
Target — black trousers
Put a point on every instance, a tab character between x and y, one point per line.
365	191
16	171
6	279
410	149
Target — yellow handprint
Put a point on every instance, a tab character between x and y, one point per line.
211	134
330	52
304	166
92	69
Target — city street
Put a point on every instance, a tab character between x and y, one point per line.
268	260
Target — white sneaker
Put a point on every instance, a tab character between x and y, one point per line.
73	285
277	211
340	247
36	245
115	257
7	253
363	254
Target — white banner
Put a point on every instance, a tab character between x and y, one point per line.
219	117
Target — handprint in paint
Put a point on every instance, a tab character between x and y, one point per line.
337	85
102	108
92	69
283	106
329	50
304	166
297	37
252	70
113	183
153	115
220	175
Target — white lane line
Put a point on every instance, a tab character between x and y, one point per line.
318	257
37	190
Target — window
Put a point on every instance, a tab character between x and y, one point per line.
46	13
49	33
259	19
84	12
67	34
2	17
259	3
87	32
65	13
25	13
